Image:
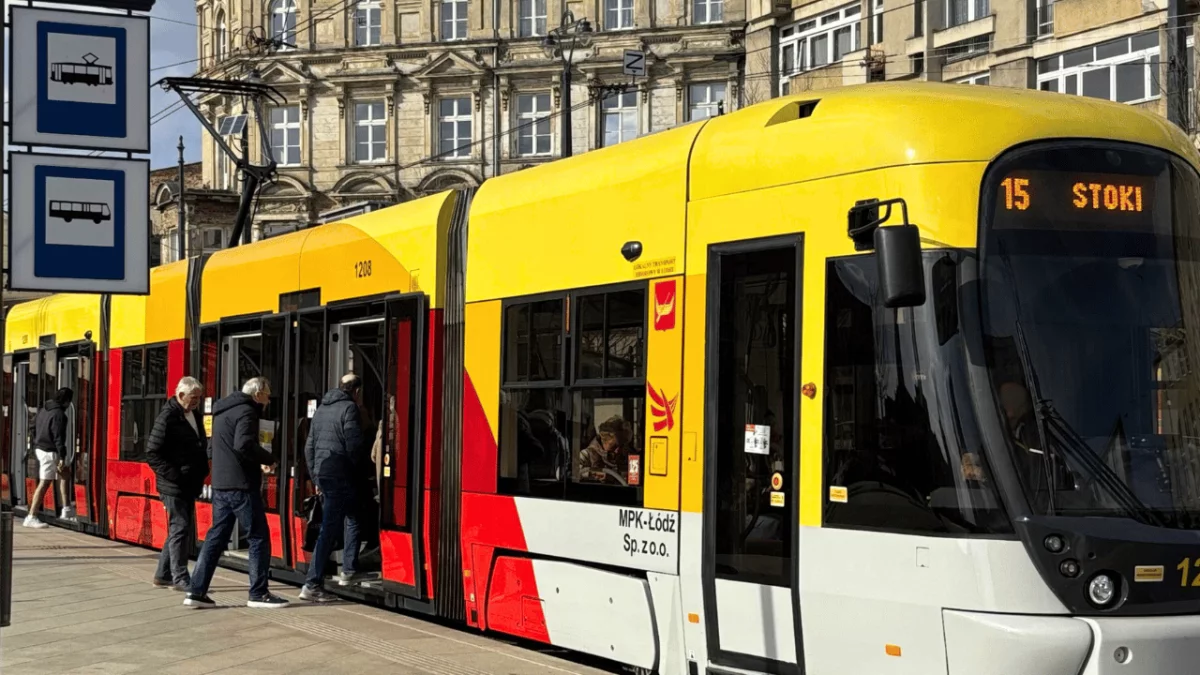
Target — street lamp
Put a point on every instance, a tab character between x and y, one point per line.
562	42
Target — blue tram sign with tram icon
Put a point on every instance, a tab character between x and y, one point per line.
79	224
80	80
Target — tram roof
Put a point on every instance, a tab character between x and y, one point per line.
403	245
158	317
572	210
66	316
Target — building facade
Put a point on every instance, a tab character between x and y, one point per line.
208	214
1111	49
388	100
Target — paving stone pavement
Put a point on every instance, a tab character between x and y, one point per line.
85	605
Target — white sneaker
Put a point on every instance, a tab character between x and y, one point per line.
68	513
34	522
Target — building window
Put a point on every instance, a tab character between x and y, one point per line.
966	49
222	38
1125	70
212	239
224	169
814	43
454	19
573	432
708	11
370	132
959	12
918	18
618	14
285	135
705	100
985	78
454	128
143	394
620	115
881	396
1045	17
283	23
877	22
533	18
368	23
533	125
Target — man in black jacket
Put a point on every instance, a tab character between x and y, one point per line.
176	452
336	452
55	456
237	461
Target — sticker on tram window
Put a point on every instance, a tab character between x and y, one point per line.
635	469
312	408
208	406
777	499
1148	573
758	439
838	494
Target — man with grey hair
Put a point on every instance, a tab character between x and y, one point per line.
237	461
176	452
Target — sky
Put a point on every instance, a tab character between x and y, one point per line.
172	41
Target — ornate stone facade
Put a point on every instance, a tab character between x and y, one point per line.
388	100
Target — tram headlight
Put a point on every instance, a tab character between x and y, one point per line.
1055	544
1102	589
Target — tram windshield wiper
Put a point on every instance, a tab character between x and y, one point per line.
1056	434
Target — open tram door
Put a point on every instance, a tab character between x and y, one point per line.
230	353
750	564
37	376
382	342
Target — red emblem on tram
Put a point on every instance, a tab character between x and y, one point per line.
664	305
662	410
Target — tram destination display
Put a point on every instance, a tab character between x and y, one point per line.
1075	201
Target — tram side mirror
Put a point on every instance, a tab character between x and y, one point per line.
901	272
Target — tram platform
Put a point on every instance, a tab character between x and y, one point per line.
82	604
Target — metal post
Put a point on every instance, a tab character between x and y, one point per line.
565	84
182	223
1176	67
6	505
243	209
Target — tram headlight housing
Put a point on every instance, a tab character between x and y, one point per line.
1103	589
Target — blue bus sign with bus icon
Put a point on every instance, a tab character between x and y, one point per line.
79	224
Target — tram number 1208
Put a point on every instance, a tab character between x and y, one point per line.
362	269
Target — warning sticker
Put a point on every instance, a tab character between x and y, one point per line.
758	439
838	494
777	499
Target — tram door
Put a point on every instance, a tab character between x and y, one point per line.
360	346
21	415
250	354
75	372
751	518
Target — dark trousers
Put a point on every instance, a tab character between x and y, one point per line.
336	508
232	507
181	522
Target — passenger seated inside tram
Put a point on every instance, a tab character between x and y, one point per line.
606	458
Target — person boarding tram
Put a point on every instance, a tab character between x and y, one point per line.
337	454
176	452
54	455
237	470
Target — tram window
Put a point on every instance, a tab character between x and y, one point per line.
143	394
570	433
902	452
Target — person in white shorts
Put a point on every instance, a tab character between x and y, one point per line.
53	454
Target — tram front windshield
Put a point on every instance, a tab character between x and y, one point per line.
1090	298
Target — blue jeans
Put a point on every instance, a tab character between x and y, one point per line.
231	507
336	508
